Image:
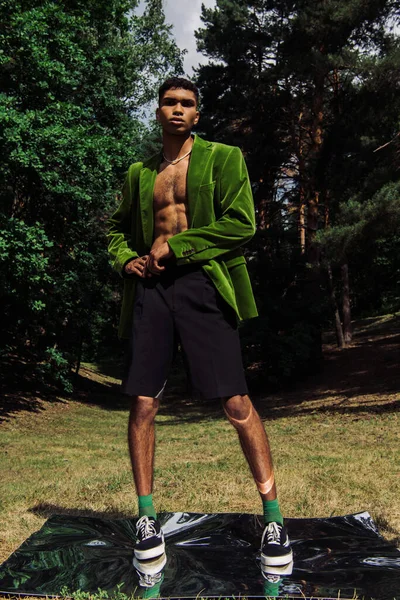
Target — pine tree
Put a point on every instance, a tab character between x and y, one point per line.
308	89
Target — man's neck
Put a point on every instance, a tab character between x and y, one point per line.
175	146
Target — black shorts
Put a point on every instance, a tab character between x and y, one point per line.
182	306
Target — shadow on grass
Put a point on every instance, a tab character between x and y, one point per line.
11	404
20	389
361	379
93	388
46	510
23	391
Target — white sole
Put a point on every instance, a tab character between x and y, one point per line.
277	561
152	567
274	570
150	553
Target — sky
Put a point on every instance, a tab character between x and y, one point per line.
184	15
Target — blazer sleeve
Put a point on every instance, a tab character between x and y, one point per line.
120	224
232	229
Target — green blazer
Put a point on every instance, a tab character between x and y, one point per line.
221	220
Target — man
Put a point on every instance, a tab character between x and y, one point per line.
176	240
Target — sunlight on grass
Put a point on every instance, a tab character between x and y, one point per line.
334	440
76	459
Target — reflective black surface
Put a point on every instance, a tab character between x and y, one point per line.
207	555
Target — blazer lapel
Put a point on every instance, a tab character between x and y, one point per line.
200	156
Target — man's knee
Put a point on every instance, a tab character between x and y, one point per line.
144	409
239	410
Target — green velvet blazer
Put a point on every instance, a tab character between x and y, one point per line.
221	220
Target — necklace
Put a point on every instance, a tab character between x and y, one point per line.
175	162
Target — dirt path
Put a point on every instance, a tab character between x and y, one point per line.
361	379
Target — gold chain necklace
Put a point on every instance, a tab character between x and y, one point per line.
175	162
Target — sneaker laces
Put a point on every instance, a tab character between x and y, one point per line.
145	528
274	533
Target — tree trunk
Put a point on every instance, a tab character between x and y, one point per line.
347	329
312	228
335	309
262	213
79	357
302	221
314	192
263	200
302	191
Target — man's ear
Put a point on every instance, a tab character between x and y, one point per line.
157	114
197	118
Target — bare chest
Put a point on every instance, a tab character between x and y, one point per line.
171	186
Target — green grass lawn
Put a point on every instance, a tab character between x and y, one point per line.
73	457
335	442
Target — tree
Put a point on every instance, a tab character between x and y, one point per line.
366	235
75	79
308	90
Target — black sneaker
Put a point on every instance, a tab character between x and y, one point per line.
149	538
275	545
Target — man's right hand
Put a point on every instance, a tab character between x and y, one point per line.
137	266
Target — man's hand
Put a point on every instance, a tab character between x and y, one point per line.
162	252
137	266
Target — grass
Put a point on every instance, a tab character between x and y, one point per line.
335	441
103	595
73	457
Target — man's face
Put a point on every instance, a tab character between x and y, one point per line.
178	112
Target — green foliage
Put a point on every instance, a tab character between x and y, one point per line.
360	224
76	79
309	91
99	595
367	235
25	281
55	369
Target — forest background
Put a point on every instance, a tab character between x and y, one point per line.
309	90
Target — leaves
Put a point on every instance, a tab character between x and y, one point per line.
309	91
76	79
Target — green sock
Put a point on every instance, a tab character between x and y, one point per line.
146	506
272	585
271	511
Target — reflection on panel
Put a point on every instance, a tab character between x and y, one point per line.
206	555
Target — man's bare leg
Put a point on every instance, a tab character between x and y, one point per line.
141	439
275	546
253	439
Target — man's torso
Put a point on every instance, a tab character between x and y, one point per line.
170	206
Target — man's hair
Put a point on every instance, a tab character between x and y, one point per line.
177	82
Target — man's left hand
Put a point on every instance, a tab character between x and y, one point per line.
162	252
